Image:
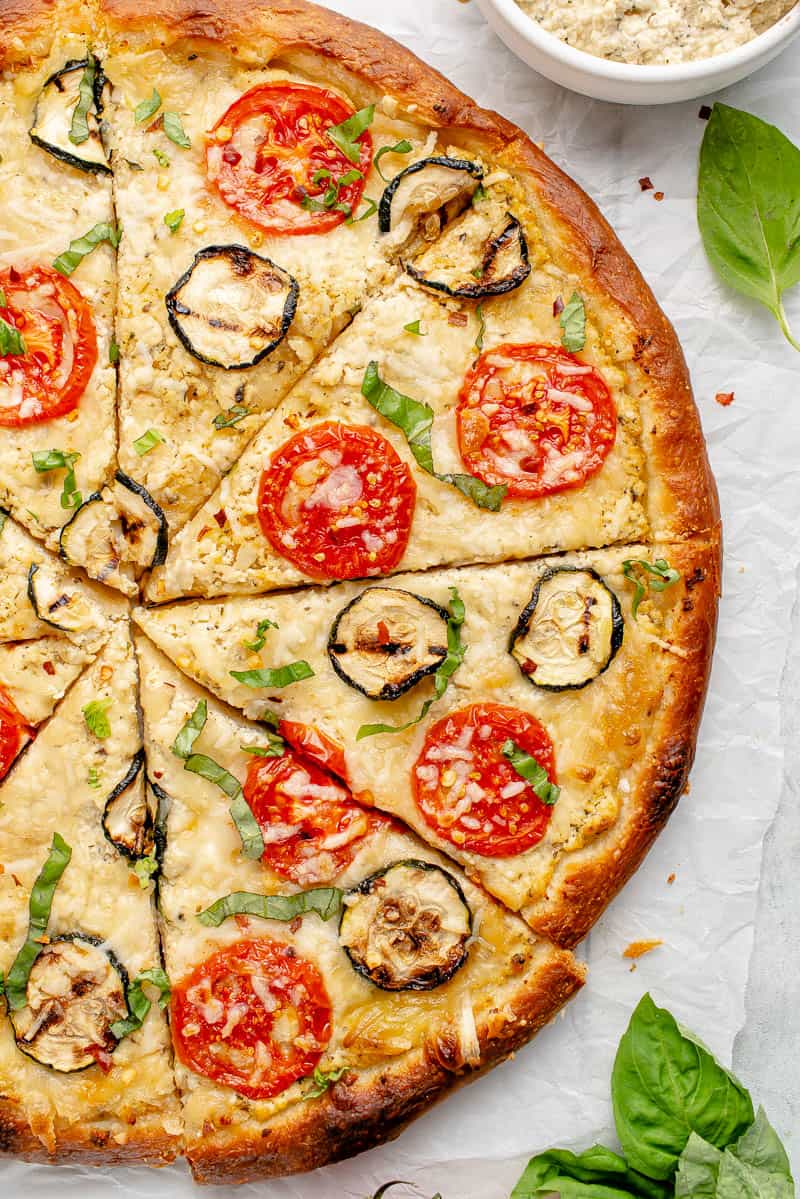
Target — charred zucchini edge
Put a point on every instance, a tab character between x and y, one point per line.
73	160
130	776
456	164
478	290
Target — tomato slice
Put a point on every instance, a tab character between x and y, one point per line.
56	324
311	825
338	502
468	791
254	1016
14	731
267	149
312	743
535	418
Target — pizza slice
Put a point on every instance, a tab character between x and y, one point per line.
535	720
85	1066
57	381
331	974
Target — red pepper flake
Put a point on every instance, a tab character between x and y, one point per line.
101	1056
16	880
48	667
158	774
242	921
295	924
671	879
558	306
206	529
658	195
725	398
459	319
704	113
646	183
221	518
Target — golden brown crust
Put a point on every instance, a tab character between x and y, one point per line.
146	1142
584	887
28	27
373	1109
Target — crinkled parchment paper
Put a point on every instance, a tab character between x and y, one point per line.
557	1090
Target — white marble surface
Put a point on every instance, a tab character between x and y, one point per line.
556	1091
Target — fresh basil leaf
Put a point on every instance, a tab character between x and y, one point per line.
67	262
174	130
47	460
11	340
414	327
456	652
113	352
145	869
345	136
161	158
748	207
601	1171
261	638
573	324
192	728
401	147
280	676
698	1168
147	442
532	771
39	905
761	1146
740	1180
656	576
415	421
138	1003
325	902
226	420
95	715
665	1086
755	1167
79	126
174	219
275	747
479	340
322	1079
247	827
147	108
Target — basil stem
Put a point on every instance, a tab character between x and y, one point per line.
40	903
138	1003
325	902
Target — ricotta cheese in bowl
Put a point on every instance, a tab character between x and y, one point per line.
650	32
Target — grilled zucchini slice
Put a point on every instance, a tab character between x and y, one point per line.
62	605
407	927
232	307
569	632
426	196
490	265
52	118
76	991
385	640
128	820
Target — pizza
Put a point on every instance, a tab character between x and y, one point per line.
359	569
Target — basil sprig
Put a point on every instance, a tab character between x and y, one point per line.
324	902
39	906
656	576
11	340
573	324
79	247
532	771
79	126
279	676
345	136
748	207
147	108
686	1126
261	635
138	1003
47	460
456	652
401	147
415	420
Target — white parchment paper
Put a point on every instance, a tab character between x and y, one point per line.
557	1090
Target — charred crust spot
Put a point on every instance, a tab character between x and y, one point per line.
698	575
675	764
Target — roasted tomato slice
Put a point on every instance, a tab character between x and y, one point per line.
338	502
312	743
14	732
311	825
467	789
535	418
254	1017
270	152
60	346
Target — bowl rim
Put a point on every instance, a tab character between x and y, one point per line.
643	73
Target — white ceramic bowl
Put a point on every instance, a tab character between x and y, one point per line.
628	83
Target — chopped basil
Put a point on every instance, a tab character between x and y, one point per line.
573	324
479	340
415	420
529	769
653	575
322	1079
11	340
161	158
67	262
330	199
225	420
402	147
414	327
139	1004
326	902
345	136
174	130
456	652
144	869
173	220
261	635
147	108
147	442
39	905
113	352
93	777
47	460
79	127
275	747
208	769
281	676
247	827
372	208
95	714
479	194
192	728
3	301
